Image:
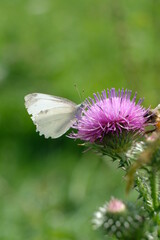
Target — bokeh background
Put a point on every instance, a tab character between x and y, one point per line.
49	189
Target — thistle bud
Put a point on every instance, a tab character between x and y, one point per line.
123	221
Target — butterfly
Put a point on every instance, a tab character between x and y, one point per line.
52	115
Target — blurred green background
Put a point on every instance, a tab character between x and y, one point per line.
49	189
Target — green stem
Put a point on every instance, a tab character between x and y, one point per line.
154	188
145	193
154	180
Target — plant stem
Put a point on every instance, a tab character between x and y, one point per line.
143	189
154	190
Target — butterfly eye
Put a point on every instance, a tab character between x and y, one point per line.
82	105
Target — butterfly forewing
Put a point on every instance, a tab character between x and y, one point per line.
52	115
37	102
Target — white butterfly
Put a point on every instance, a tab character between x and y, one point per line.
53	116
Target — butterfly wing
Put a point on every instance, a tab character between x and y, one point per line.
52	115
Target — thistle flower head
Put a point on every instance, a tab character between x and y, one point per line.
108	113
110	118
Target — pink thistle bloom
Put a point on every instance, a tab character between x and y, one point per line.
116	206
110	113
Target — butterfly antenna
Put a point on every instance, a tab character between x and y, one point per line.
80	96
83	96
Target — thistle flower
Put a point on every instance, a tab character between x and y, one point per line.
111	120
113	114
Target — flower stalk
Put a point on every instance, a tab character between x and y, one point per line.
154	188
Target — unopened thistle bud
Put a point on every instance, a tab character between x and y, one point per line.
123	221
